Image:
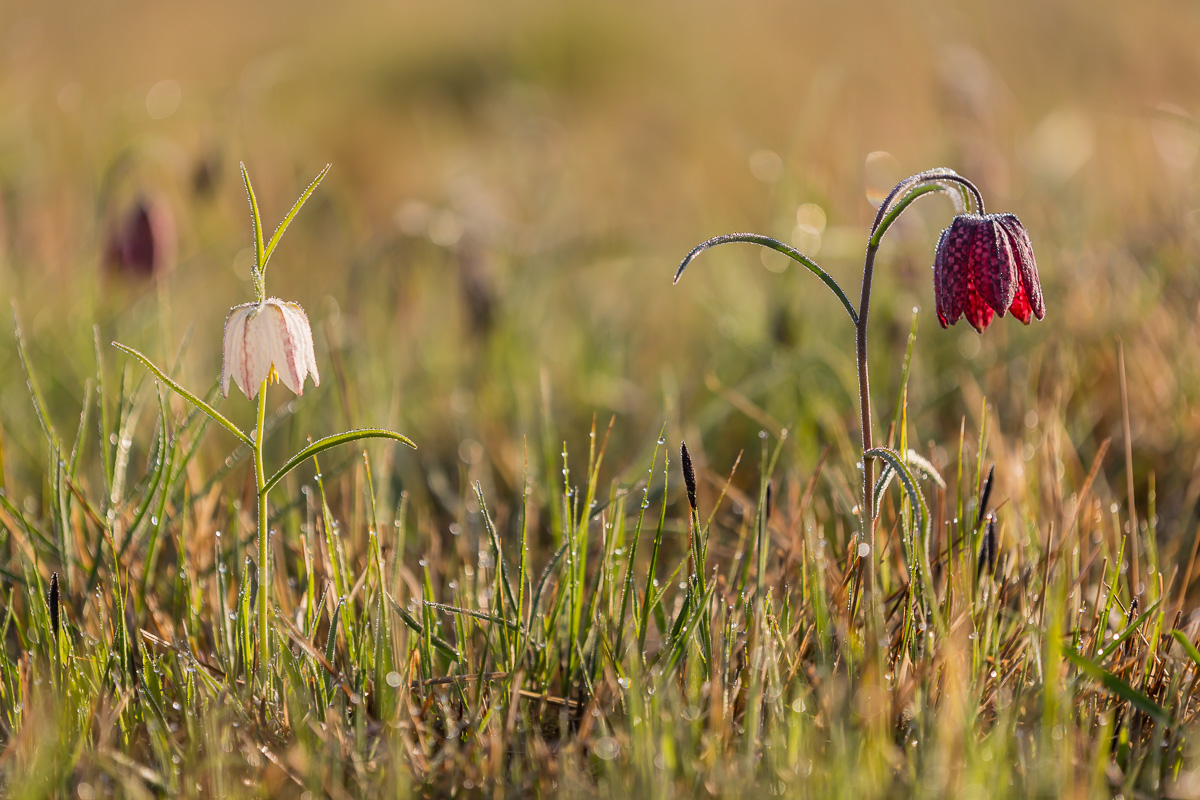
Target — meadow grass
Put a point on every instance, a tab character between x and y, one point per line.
586	630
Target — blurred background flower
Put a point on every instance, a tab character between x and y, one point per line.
141	243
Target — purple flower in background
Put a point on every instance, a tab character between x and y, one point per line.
143	242
984	265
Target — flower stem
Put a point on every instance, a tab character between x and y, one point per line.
864	401
264	581
907	191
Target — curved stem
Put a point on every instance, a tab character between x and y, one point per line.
264	648
931	176
910	188
898	208
777	246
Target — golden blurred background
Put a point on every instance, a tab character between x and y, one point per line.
513	185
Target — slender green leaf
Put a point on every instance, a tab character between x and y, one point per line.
186	395
779	247
287	220
256	221
328	442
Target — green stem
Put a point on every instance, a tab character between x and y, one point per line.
264	580
864	406
908	190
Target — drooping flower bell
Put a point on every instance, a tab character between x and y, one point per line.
144	242
270	340
984	265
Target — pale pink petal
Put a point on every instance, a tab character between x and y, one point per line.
232	355
285	354
256	352
303	333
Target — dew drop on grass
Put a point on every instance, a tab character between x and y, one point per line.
662	440
606	748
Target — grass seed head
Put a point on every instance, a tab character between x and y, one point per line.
689	474
54	600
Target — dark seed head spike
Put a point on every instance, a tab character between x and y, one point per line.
985	495
54	599
689	474
987	549
767	509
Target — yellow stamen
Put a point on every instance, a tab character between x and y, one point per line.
272	376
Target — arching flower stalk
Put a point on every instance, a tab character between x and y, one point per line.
984	264
266	341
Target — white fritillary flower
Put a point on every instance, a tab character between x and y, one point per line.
270	340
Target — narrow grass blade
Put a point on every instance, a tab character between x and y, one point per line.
39	405
1120	688
1129	631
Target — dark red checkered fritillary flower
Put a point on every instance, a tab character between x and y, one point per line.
985	265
